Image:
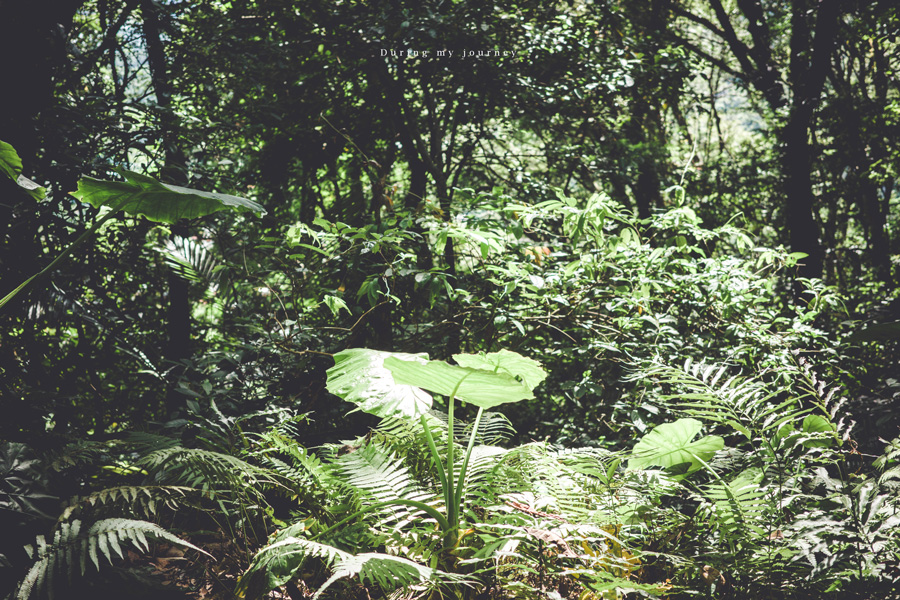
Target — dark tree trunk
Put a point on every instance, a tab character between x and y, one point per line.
796	164
173	170
813	29
810	61
646	133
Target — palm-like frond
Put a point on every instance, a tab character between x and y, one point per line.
190	259
74	547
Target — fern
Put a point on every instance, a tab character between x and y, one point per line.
390	573
740	503
205	469
146	499
75	547
302	474
889	464
560	482
378	475
710	394
280	561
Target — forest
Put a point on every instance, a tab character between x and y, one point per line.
449	299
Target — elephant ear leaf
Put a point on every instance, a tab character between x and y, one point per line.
672	444
526	370
143	195
485	389
359	376
11	166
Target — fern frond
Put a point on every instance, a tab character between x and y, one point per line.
82	452
541	472
481	465
495	428
390	573
205	469
279	562
740	503
146	499
301	473
73	547
708	393
377	475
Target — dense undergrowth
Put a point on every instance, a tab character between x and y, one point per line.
678	427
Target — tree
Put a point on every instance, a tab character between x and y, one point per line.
790	76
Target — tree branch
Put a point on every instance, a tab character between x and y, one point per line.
718	62
109	39
738	49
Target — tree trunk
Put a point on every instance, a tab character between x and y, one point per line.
796	164
178	314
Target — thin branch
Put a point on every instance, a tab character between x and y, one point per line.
109	39
718	62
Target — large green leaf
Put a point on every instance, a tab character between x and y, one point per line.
671	444
143	195
359	376
820	432
485	389
528	370
11	165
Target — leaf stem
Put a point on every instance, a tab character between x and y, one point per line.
442	475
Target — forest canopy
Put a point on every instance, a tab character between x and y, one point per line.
580	299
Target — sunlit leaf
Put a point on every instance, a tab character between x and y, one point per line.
143	195
475	386
505	361
11	165
672	444
359	376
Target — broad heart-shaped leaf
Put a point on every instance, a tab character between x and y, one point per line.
821	432
528	370
484	389
670	444
11	165
359	376
143	195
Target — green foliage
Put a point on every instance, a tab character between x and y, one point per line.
74	547
391	483
11	166
160	202
672	444
608	191
137	195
